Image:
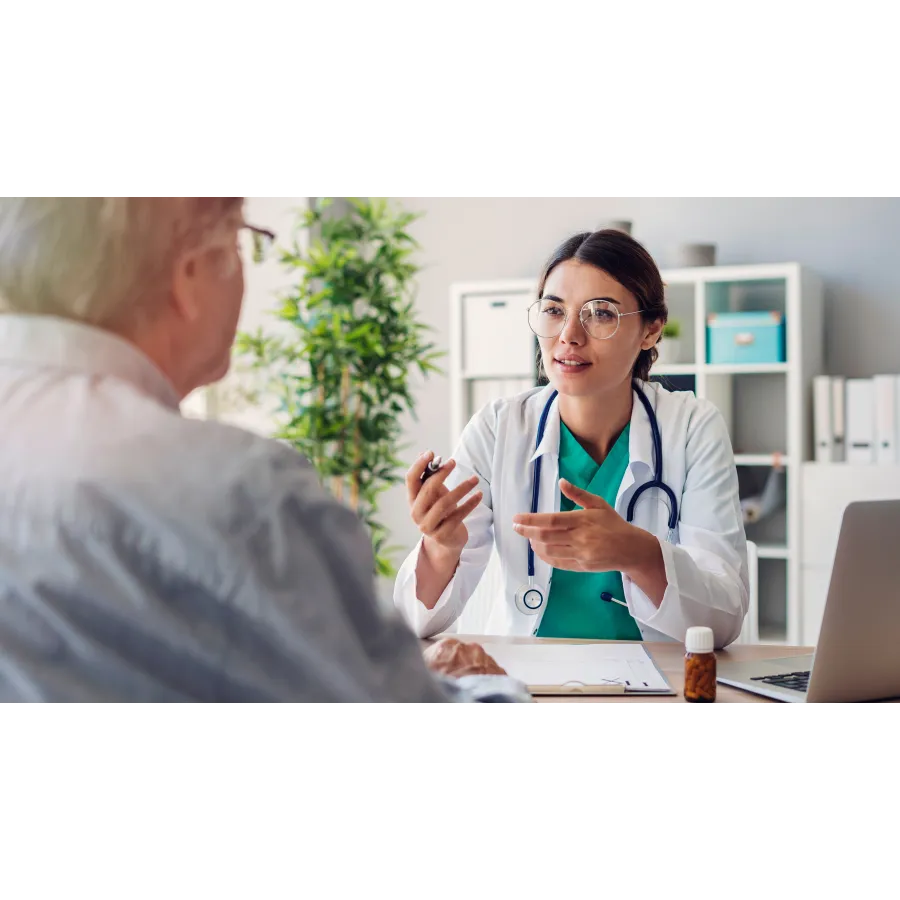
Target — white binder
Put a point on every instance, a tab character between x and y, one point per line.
860	420
823	430
885	418
897	418
839	418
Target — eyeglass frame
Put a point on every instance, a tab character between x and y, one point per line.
259	232
609	303
262	238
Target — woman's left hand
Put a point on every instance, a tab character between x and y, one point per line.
592	539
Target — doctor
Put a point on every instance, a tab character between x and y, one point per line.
612	502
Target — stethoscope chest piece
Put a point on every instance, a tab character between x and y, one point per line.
529	600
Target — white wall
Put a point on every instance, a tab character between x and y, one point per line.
853	243
263	281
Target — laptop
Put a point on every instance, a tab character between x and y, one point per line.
858	653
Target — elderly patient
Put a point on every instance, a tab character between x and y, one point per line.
145	556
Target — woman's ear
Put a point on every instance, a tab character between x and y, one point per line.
651	334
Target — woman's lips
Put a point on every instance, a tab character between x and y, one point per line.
569	369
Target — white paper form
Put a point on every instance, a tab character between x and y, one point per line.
626	664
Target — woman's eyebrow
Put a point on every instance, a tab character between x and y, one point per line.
560	300
606	300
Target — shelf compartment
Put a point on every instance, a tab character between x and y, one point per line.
772	612
773	551
754	409
747	369
756	295
675	382
771	531
773	635
761	459
674	369
484	316
681	300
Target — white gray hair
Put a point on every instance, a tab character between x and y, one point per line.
101	260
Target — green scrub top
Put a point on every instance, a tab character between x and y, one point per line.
574	608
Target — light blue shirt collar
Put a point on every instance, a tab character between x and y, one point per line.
57	343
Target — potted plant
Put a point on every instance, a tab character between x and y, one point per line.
669	345
341	365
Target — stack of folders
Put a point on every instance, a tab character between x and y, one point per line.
857	420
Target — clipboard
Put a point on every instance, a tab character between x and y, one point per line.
582	669
575	689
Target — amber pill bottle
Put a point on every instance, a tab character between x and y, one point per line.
699	666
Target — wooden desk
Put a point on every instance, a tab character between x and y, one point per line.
669	657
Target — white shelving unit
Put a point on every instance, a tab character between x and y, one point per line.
767	407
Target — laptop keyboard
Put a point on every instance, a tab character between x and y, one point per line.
796	681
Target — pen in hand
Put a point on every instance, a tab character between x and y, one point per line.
431	469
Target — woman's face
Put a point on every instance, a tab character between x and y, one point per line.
580	364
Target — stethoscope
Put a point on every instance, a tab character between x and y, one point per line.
530	599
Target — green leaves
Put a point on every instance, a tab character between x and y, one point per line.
343	372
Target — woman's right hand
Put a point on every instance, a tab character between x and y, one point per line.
439	512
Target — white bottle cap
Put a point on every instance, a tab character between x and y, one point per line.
699	639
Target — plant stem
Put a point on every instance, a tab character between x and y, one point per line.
357	459
345	398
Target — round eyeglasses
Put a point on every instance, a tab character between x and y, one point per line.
599	318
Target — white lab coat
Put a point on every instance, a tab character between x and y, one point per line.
706	562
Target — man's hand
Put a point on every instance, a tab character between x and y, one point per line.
455	659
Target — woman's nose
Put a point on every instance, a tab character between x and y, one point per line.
573	331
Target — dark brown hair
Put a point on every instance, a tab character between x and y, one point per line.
622	258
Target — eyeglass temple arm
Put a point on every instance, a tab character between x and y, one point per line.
261	232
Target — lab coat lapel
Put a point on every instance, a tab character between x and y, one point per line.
640	455
549	497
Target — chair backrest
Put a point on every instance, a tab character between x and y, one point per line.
474	618
750	631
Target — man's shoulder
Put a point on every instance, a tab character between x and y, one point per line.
241	449
181	473
222	464
204	498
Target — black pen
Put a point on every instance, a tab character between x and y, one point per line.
431	469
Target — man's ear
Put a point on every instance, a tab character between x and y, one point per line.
651	334
185	280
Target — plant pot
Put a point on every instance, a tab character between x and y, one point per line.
669	350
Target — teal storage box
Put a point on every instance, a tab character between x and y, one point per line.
745	337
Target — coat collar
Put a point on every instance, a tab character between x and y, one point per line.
640	444
549	445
